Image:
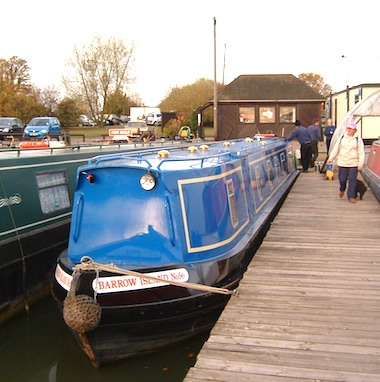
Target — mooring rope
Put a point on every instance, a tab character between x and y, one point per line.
88	264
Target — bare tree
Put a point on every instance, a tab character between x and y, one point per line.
97	71
49	97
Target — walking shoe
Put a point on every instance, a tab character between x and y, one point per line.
352	200
341	194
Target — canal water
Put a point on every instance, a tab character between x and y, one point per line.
40	348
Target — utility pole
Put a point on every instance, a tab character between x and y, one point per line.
347	88
215	88
224	61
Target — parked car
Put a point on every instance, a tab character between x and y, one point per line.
85	121
125	118
113	119
10	125
40	127
154	119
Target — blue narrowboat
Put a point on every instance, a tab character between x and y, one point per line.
159	240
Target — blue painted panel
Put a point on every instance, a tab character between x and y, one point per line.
208	210
119	221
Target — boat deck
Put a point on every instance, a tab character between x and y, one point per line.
309	303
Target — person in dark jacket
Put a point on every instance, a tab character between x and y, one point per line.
316	136
329	131
304	139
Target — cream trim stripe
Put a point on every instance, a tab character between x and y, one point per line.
35	224
43	164
181	182
266	156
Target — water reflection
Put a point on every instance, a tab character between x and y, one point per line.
41	349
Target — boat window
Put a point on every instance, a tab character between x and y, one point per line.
277	167
258	182
232	202
246	114
53	191
270	173
283	163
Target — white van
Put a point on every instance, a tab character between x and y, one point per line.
154	119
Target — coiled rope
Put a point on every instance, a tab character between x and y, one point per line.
88	264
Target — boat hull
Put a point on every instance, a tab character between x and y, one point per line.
137	322
27	266
133	324
371	171
137	330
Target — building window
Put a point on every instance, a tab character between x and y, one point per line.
357	98
53	191
247	114
267	114
287	114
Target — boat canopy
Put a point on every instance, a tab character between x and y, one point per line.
367	107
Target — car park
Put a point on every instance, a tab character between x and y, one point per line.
154	119
40	127
10	125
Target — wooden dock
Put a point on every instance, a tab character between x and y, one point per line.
309	303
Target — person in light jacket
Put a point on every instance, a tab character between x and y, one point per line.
349	153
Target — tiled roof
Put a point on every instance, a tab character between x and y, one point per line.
268	87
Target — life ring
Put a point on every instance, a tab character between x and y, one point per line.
34	145
265	135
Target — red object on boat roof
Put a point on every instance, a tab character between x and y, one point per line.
34	144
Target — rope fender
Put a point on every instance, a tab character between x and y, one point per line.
81	312
87	264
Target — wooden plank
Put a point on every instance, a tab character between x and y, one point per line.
308	307
211	375
295	358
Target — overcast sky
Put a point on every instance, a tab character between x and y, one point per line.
174	39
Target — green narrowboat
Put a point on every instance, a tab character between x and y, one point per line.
36	193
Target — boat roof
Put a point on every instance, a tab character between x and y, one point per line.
191	157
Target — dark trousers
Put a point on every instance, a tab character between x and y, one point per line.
328	141
350	174
314	152
305	155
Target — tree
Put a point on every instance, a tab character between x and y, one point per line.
49	97
14	74
96	72
189	97
18	97
185	100
68	111
120	103
316	82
